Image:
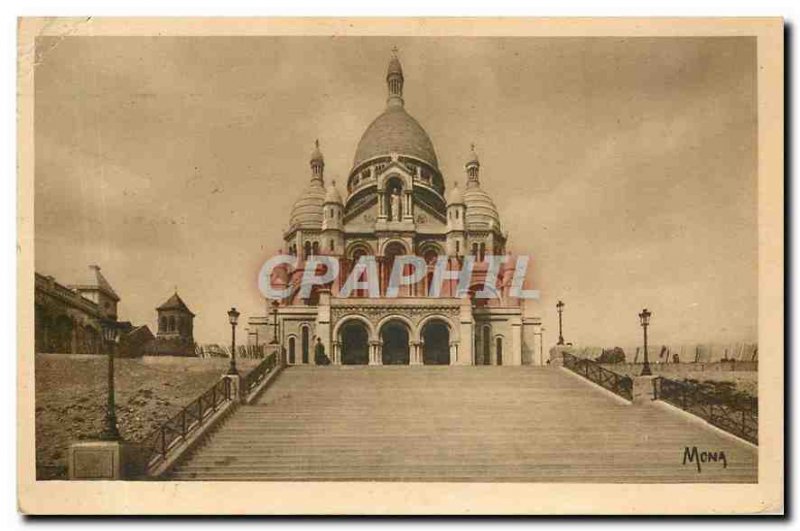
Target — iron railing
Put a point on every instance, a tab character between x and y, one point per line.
177	429
258	374
735	415
616	383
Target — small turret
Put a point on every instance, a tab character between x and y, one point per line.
332	235
456	211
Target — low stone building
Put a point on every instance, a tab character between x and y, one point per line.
69	319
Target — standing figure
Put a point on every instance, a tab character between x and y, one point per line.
394	212
320	358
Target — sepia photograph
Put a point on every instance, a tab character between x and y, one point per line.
476	262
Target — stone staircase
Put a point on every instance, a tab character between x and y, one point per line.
537	424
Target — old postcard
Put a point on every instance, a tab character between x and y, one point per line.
400	266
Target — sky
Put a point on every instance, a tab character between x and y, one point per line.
625	167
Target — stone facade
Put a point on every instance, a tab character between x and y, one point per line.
397	204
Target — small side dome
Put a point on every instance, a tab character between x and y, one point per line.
481	211
332	195
455	197
307	211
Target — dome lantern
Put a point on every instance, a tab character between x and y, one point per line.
317	162
394	81
473	168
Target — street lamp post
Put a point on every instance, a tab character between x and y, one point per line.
111	337
644	317
233	317
560	308
274	323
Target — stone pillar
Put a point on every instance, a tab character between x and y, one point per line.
408	214
454	353
236	387
515	356
466	334
323	324
381	205
416	352
337	353
643	389
375	357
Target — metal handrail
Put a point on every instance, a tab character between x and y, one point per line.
616	383
178	428
258	374
734	415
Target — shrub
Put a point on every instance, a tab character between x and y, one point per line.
614	355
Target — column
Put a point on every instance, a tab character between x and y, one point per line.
375	357
416	352
381	205
466	356
407	213
516	342
337	353
454	353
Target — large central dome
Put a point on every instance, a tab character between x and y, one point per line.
395	131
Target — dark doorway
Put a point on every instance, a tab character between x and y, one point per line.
498	349
292	349
486	343
436	343
355	347
305	342
395	343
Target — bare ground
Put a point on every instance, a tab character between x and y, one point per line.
71	398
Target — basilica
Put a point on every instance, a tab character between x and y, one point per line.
396	203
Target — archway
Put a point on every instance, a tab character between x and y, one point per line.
355	343
292	350
436	343
498	350
305	343
395	351
62	335
91	340
394	207
390	253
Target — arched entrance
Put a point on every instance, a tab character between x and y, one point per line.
436	343
395	351
292	350
498	350
62	335
355	343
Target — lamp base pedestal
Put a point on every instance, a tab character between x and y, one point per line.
236	387
643	389
102	460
